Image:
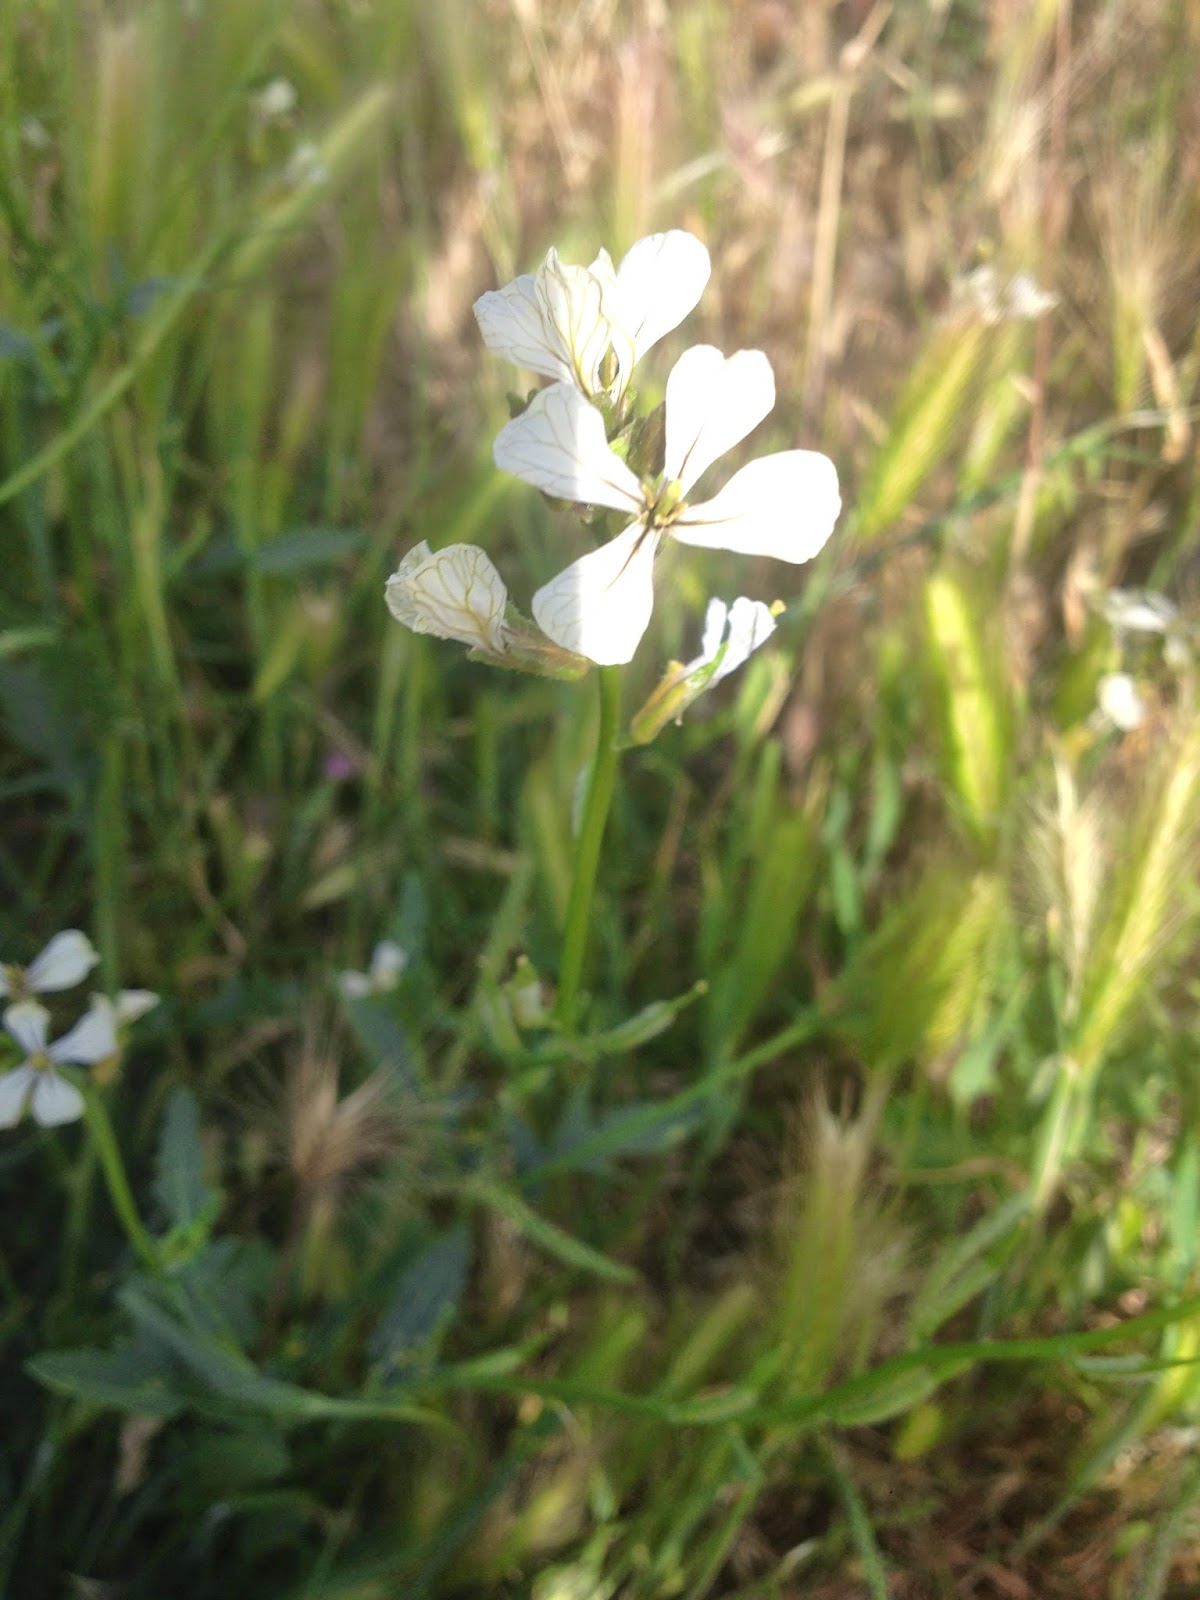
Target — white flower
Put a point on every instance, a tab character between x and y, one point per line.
305	168
65	961
388	961
455	593
1138	611
276	99
1021	298
564	321
731	636
1119	701
741	627
782	505
35	1083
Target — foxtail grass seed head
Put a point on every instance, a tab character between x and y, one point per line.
330	1140
589	326
36	1085
65	961
782	505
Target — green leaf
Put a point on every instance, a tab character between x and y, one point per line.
426	1297
546	1235
180	1186
306	547
383	1039
136	1376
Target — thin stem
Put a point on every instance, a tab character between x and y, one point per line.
105	1144
587	846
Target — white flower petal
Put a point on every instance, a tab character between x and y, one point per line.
559	446
27	1022
658	283
15	1088
512	323
784	505
92	1039
65	961
453	593
573	303
54	1100
712	403
134	1003
353	985
600	606
1118	698
1138	610
750	624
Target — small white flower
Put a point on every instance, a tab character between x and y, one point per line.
1138	611
741	627
782	505
276	99
65	961
305	168
588	326
34	134
454	593
1021	298
35	1084
388	961
1119	701
737	630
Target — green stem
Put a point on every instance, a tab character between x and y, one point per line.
104	1142
587	846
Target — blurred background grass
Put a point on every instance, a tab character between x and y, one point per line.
942	1085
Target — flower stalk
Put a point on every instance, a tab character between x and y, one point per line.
596	807
104	1141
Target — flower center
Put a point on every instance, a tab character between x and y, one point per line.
18	987
664	503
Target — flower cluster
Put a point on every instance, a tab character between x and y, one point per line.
36	1085
585	329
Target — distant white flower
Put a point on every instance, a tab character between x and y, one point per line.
1019	298
741	628
454	593
782	505
36	1085
1119	701
1138	611
275	99
34	134
388	961
65	961
588	326
305	168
